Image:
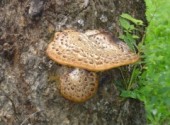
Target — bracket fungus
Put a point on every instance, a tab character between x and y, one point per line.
88	52
78	85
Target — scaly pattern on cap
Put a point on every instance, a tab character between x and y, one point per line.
78	85
93	50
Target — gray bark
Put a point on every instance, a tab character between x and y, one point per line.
28	95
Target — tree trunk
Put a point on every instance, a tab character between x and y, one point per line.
27	93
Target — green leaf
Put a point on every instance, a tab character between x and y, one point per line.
128	17
135	36
122	37
132	27
124	23
130	94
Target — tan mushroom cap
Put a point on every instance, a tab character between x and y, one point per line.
78	85
93	50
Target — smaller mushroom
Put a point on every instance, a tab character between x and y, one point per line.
78	85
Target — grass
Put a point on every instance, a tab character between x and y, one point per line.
155	81
152	81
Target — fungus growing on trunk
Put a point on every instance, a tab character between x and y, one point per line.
92	50
78	85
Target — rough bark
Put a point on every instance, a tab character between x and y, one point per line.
27	92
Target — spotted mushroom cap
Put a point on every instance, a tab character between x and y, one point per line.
78	85
93	50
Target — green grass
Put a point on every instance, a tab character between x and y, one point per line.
152	84
150	78
155	80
